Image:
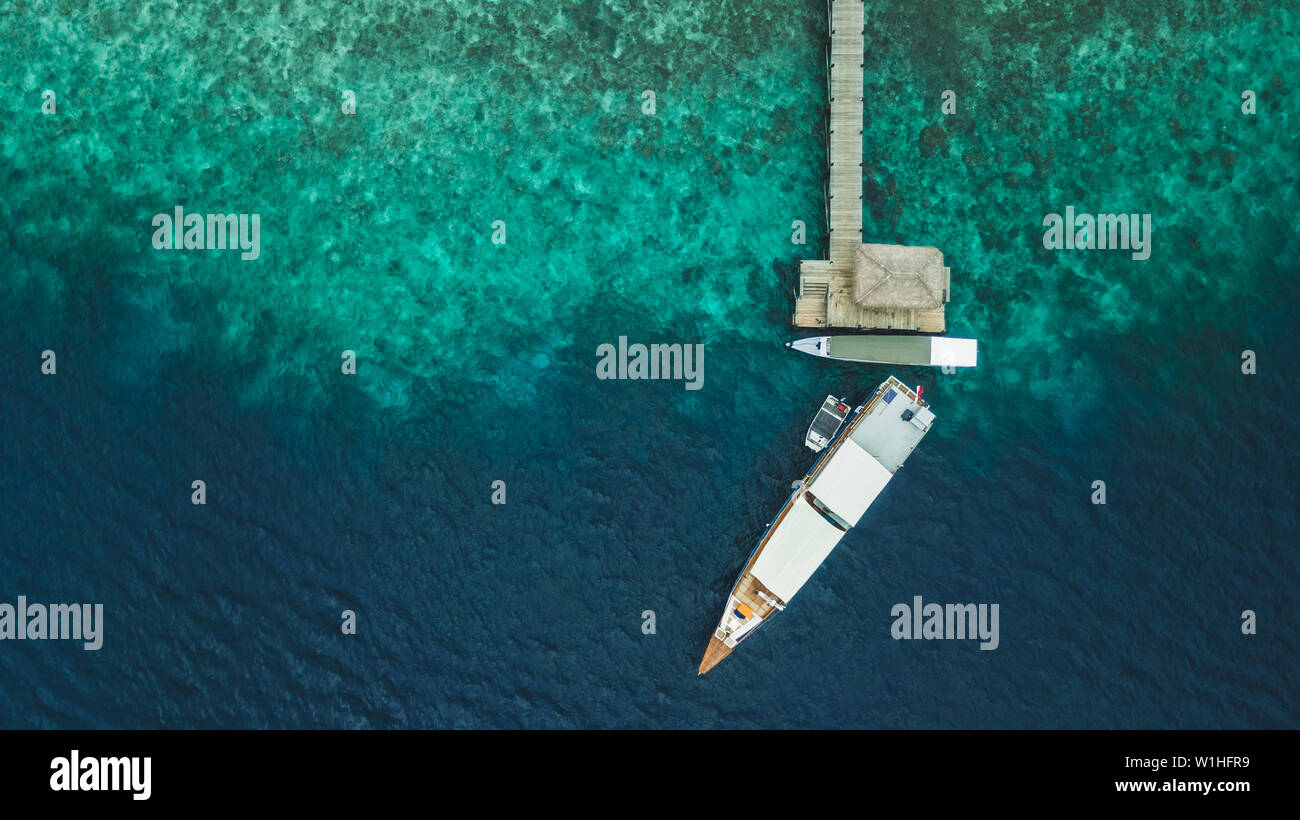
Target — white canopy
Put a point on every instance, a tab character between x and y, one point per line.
945	350
850	481
795	550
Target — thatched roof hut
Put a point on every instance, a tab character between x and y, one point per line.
899	276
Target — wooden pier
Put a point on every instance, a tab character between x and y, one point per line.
826	286
844	198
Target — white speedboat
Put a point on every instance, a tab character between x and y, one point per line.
925	351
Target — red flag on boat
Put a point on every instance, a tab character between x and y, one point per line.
919	390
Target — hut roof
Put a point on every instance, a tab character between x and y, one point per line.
898	276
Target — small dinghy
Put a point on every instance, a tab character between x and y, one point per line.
826	424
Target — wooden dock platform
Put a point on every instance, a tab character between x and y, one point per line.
826	286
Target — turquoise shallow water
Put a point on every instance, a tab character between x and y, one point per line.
477	363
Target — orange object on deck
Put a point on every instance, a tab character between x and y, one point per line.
744	609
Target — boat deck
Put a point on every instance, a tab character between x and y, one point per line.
878	429
883	433
910	350
747	593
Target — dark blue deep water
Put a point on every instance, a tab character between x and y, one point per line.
371	492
